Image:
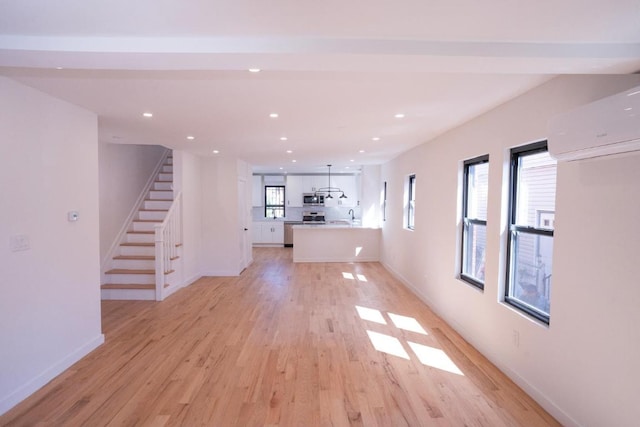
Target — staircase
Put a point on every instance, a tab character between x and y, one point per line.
132	273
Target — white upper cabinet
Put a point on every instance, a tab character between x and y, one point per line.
257	191
294	190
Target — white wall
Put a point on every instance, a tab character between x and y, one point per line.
371	196
583	367
220	217
50	303
187	178
124	171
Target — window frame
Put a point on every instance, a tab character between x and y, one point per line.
411	203
284	200
512	228
466	220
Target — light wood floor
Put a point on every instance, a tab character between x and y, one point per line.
283	344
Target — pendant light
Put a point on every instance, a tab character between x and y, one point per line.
326	191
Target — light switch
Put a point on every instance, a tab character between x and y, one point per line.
19	242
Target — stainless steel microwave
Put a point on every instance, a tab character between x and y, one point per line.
312	199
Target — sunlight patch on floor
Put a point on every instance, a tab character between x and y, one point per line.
407	323
370	314
434	357
387	344
347	276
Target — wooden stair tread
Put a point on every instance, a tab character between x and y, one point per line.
153	210
159	221
169	271
141	232
127	271
128	286
136	244
158	200
136	257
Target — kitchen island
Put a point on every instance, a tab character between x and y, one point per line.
335	243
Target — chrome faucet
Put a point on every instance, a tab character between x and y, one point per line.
353	216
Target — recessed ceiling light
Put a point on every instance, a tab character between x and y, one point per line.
399	116
215	151
273	115
293	161
628	109
147	114
191	137
289	151
375	138
281	168
254	70
361	151
352	160
59	68
347	167
283	138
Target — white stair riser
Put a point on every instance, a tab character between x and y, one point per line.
145	226
162	176
137	250
162	195
167	168
140	238
138	279
158	185
155	215
157	204
134	264
128	294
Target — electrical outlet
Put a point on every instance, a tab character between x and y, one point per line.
19	242
516	338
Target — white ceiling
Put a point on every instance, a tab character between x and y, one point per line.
336	72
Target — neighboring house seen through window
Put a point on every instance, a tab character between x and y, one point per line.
274	201
531	225
474	220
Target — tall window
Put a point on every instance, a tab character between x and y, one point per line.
474	220
274	201
411	205
531	224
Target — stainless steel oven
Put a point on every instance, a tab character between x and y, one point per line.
313	217
312	199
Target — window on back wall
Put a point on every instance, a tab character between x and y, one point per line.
532	199
411	202
474	220
274	201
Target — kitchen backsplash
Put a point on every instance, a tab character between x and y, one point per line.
295	214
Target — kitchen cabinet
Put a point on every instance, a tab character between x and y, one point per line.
268	232
257	191
294	190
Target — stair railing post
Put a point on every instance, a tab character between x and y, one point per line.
159	244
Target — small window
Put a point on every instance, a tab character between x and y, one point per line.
384	201
274	201
531	225
411	205
474	220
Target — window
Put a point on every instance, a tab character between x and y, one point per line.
384	202
474	220
274	201
531	223
411	207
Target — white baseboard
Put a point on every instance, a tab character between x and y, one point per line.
50	373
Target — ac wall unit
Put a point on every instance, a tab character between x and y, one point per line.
604	127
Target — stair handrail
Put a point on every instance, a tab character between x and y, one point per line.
168	239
